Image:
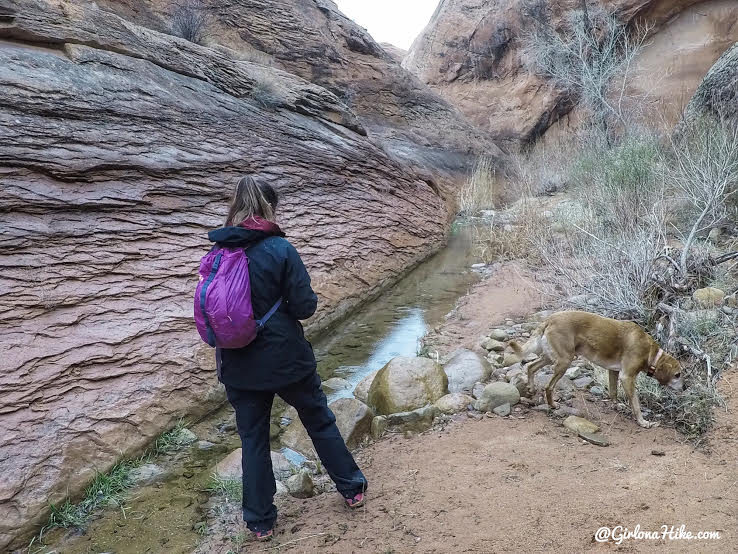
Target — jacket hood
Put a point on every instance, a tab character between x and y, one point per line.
251	230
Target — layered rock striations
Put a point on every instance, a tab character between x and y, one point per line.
119	146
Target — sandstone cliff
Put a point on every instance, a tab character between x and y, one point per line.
313	39
471	52
118	148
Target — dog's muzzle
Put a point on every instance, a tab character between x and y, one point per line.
677	383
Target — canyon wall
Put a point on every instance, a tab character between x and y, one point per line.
472	52
119	147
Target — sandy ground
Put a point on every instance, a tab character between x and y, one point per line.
519	484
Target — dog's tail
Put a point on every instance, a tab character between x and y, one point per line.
533	344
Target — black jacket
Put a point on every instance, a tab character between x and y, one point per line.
280	355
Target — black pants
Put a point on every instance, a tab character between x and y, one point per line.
253	409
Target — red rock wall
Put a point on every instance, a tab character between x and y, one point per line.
118	149
472	53
313	39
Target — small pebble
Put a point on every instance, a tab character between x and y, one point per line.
658	453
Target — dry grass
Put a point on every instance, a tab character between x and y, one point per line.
265	93
484	189
503	241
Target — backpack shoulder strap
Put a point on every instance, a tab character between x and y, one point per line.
261	322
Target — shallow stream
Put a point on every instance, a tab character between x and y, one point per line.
164	516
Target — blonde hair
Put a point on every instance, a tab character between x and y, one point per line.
252	199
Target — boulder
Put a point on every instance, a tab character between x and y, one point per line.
495	359
503	410
336	384
499	373
497	394
281	466
405	384
184	437
708	297
412	421
301	485
520	382
513	370
282	489
361	392
541	380
295	436
499	334
573	372
583	382
716	94
274	431
564	411
493	345
230	466
580	425
511	359
353	418
464	369
453	403
594	438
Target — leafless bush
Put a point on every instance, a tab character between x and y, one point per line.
704	173
189	19
590	58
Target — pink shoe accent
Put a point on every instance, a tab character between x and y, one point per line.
263	536
355	502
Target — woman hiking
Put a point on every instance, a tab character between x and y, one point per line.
278	361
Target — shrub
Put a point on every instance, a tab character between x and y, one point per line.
690	411
189	19
590	58
704	172
264	92
604	257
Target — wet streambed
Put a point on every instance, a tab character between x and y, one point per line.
162	516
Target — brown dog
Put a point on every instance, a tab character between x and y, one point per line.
619	346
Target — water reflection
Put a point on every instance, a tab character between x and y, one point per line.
392	325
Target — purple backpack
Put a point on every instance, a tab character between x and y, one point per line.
223	311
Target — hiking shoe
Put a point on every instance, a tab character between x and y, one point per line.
263	536
355	502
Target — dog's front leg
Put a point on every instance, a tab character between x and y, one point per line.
630	390
613	387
